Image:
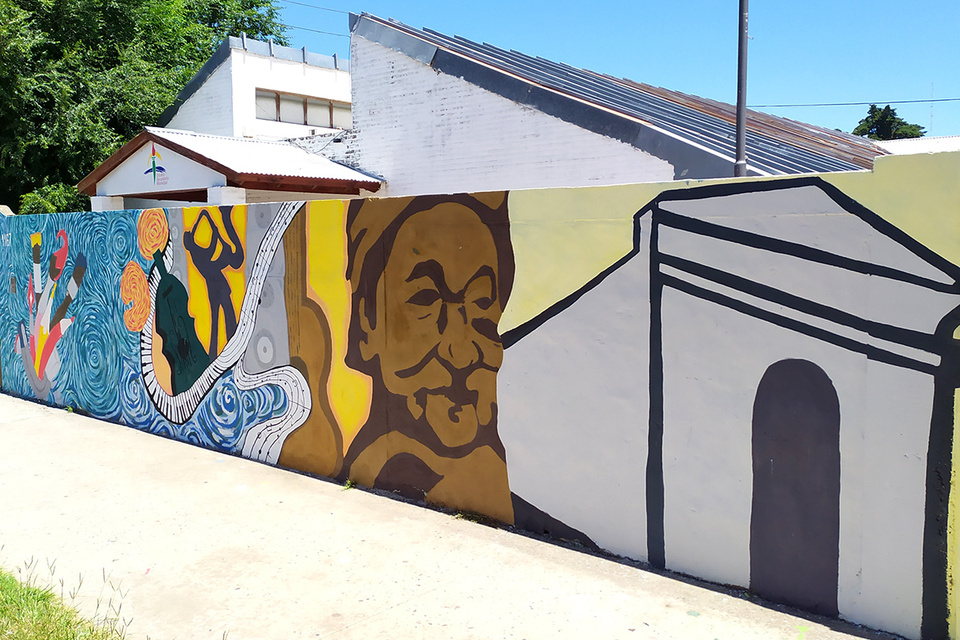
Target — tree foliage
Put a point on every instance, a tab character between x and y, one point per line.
78	78
884	124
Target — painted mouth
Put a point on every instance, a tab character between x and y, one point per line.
458	396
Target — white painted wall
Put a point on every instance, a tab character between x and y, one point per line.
252	72
179	174
226	103
210	108
433	133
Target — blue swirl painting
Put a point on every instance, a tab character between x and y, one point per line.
71	265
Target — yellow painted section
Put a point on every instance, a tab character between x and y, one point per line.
199	304
920	194
349	391
562	238
953	528
43	333
161	367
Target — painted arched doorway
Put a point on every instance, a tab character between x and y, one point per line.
795	518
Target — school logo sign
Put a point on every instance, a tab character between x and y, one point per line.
159	173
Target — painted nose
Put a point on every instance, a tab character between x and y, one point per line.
456	344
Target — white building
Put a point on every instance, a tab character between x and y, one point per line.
427	113
223	141
253	89
911	146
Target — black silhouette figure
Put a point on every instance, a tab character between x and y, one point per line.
210	262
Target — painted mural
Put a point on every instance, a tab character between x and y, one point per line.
754	382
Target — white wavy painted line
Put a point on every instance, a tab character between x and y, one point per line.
180	407
264	440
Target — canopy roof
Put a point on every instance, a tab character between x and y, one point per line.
169	162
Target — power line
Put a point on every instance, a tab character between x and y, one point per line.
313	6
326	33
854	104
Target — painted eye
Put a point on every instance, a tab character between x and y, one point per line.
424	297
484	302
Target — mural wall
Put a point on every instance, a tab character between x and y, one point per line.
754	382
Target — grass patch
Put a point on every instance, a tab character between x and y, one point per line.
479	518
28	612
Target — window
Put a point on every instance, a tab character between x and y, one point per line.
291	109
266	105
318	112
288	107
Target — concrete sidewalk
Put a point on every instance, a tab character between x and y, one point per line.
194	544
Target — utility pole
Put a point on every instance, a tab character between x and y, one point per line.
740	167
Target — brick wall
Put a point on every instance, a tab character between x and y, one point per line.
427	132
210	109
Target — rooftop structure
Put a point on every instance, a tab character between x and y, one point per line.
672	125
250	88
167	164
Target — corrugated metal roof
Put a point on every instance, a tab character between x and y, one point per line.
775	145
259	157
245	162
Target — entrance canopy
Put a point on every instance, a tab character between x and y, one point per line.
183	166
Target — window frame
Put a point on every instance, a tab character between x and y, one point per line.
305	100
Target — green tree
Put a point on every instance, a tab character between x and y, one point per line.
884	124
78	78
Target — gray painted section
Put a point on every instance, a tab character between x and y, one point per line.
556	383
795	520
269	346
874	298
690	162
573	405
175	222
714	358
882	488
808	216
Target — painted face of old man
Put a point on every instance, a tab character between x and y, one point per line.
436	334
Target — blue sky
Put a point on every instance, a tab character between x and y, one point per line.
801	51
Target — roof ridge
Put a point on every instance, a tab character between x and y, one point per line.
160	131
775	145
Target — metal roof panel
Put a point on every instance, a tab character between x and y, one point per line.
260	157
774	145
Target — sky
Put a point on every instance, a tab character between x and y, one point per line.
801	52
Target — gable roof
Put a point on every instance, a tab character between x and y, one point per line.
647	117
245	162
